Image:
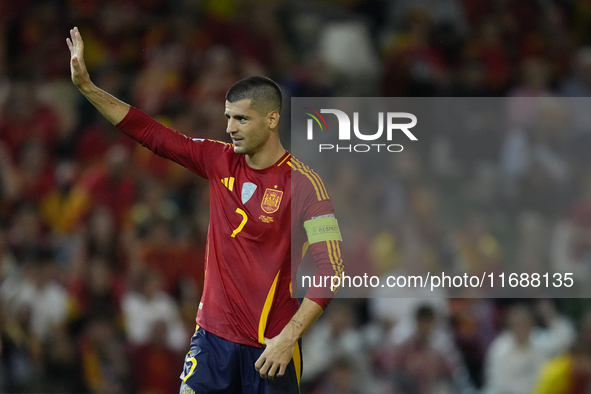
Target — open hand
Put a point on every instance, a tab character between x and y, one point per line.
78	69
275	358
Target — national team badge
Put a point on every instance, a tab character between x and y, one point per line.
247	191
271	200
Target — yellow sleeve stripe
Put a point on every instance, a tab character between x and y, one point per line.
305	248
320	183
321	192
296	167
267	309
219	142
334	253
206	264
339	257
331	257
315	175
283	161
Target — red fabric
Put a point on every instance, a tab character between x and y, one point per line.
240	270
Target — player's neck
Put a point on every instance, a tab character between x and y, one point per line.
265	157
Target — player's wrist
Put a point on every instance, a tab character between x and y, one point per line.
292	331
86	86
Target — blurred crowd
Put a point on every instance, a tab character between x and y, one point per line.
102	242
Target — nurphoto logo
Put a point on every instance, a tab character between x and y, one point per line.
344	132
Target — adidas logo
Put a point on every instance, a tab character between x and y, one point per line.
228	182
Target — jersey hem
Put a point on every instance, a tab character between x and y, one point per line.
229	337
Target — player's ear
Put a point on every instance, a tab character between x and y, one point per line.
273	119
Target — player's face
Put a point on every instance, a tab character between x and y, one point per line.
248	128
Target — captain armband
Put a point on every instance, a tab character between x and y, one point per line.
322	228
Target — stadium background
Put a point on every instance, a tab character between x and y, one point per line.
101	242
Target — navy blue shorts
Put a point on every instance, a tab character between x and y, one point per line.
215	365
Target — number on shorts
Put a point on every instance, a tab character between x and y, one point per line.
194	362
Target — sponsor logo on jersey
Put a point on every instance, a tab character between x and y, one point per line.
248	189
271	200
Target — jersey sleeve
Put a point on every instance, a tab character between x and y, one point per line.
195	154
315	212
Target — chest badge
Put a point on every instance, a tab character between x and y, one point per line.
271	200
248	189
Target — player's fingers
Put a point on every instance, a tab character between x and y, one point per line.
70	46
265	369
259	363
78	38
272	371
73	39
282	370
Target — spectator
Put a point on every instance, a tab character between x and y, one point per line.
105	364
38	295
415	365
112	185
65	206
334	338
567	373
155	368
558	333
341	379
579	83
515	357
145	307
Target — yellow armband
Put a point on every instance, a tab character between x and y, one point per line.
322	228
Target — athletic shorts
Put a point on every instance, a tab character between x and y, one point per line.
217	366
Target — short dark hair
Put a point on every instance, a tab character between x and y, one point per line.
264	93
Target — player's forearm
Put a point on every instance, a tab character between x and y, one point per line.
113	109
304	318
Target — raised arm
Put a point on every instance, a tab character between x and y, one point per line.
112	108
165	142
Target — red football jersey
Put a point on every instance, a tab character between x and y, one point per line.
254	215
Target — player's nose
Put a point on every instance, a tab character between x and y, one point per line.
232	126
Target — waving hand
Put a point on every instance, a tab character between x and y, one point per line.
111	108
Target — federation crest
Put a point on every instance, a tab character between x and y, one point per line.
248	189
271	200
